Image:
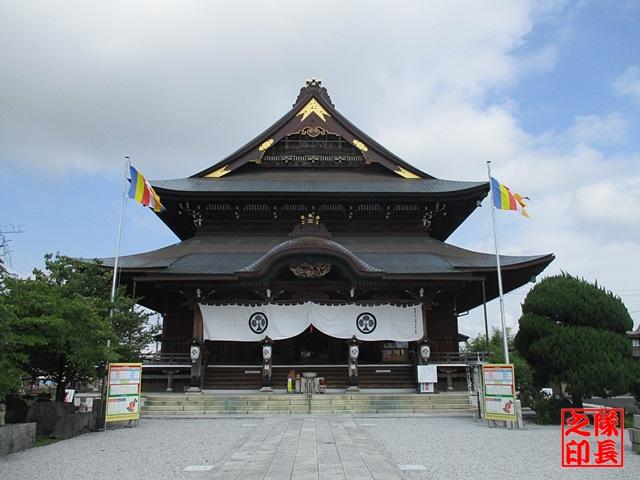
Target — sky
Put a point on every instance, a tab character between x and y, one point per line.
548	91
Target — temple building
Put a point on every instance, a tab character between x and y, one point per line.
635	342
310	240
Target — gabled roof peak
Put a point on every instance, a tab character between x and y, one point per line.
313	88
313	114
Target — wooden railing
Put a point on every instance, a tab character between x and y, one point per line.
163	358
458	357
438	357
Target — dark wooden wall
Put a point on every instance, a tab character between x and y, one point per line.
177	330
442	326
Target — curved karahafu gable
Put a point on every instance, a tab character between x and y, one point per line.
366	258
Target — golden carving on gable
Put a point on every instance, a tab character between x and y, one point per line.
360	146
313	106
219	173
264	145
312	131
310	270
405	173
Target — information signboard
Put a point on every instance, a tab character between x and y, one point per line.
499	392
123	391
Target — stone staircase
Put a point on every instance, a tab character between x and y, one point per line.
198	405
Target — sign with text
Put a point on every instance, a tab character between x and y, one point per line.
499	392
123	391
592	437
427	374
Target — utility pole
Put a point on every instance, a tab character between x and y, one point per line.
5	251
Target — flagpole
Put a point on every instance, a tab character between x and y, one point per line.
495	240
119	238
113	289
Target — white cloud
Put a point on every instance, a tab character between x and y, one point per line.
613	204
180	85
584	199
629	82
599	130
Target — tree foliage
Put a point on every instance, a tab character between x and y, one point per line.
573	332
11	346
64	320
522	370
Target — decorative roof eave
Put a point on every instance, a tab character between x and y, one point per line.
152	276
159	276
313	109
535	261
200	187
316	246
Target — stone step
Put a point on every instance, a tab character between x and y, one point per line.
305	405
295	397
177	414
172	405
402	396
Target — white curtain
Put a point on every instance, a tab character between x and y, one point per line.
245	323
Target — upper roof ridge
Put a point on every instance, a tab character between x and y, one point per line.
314	88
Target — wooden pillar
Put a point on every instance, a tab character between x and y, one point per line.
198	329
424	321
197	370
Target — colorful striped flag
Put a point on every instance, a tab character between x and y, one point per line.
504	199
141	191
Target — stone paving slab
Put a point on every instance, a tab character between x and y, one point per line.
305	448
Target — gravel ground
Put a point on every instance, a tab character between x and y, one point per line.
449	447
458	448
156	449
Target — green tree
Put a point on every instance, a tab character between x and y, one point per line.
11	373
66	311
573	332
15	339
522	370
131	331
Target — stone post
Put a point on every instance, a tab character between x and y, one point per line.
354	352
170	372
634	433
267	352
195	352
424	354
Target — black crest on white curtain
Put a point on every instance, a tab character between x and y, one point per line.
258	322
366	323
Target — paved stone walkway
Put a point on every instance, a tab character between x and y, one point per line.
301	448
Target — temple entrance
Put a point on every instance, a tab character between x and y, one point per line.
313	338
311	347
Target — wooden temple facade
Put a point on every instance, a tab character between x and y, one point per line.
312	211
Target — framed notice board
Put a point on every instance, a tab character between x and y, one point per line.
499	392
123	391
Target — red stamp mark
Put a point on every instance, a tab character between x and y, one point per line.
592	437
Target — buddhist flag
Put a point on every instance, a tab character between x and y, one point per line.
141	191
504	199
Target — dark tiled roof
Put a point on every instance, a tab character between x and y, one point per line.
211	255
398	186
